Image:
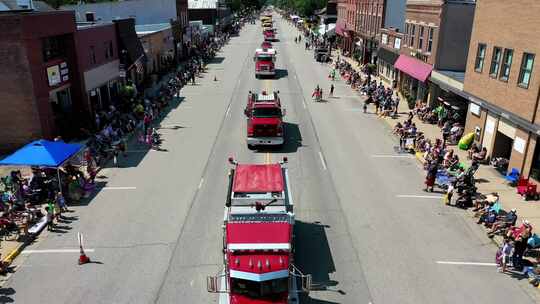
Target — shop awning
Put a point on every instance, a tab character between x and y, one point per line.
42	153
413	67
340	29
328	29
387	55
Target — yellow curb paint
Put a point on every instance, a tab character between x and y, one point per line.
13	254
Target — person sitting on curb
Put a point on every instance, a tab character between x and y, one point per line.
480	156
503	222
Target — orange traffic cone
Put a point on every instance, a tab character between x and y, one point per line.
83	259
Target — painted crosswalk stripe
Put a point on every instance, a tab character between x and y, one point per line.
419	196
391	156
56	251
322	160
201	183
466	263
118	188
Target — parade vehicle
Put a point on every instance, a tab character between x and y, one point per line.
264	120
266	45
258	239
269	34
321	54
265	62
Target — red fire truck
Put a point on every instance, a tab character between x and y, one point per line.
264	62
264	120
269	34
258	253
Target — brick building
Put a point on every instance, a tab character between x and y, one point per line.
503	82
346	23
210	12
37	55
437	34
158	45
390	40
98	65
388	53
369	16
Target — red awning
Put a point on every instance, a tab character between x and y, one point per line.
340	29
413	67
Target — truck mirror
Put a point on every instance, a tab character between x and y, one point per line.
212	284
306	283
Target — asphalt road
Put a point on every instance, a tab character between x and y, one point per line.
365	230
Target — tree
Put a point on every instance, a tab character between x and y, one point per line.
303	7
238	5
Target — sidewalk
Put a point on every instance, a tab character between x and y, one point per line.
10	249
488	179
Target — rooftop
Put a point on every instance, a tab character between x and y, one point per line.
146	29
202	4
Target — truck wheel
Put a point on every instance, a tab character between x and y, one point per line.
256	76
251	147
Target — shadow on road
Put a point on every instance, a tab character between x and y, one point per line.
293	140
137	150
281	73
216	60
5	294
313	255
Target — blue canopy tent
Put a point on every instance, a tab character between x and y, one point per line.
42	153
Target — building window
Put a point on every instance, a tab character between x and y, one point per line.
495	62
430	39
406	32
109	52
384	39
397	43
421	37
413	33
53	47
506	64
92	55
526	70
480	56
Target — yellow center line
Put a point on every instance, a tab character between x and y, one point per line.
266	85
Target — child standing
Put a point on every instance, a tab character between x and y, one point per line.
506	253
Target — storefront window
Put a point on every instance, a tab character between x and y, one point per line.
535	165
53	48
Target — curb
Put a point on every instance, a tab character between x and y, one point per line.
15	252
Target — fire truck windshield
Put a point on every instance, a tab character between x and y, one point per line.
266	112
265	289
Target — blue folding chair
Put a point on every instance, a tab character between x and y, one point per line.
512	176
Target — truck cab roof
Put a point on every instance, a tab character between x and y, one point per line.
255	188
263	100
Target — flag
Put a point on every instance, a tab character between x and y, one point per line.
139	65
